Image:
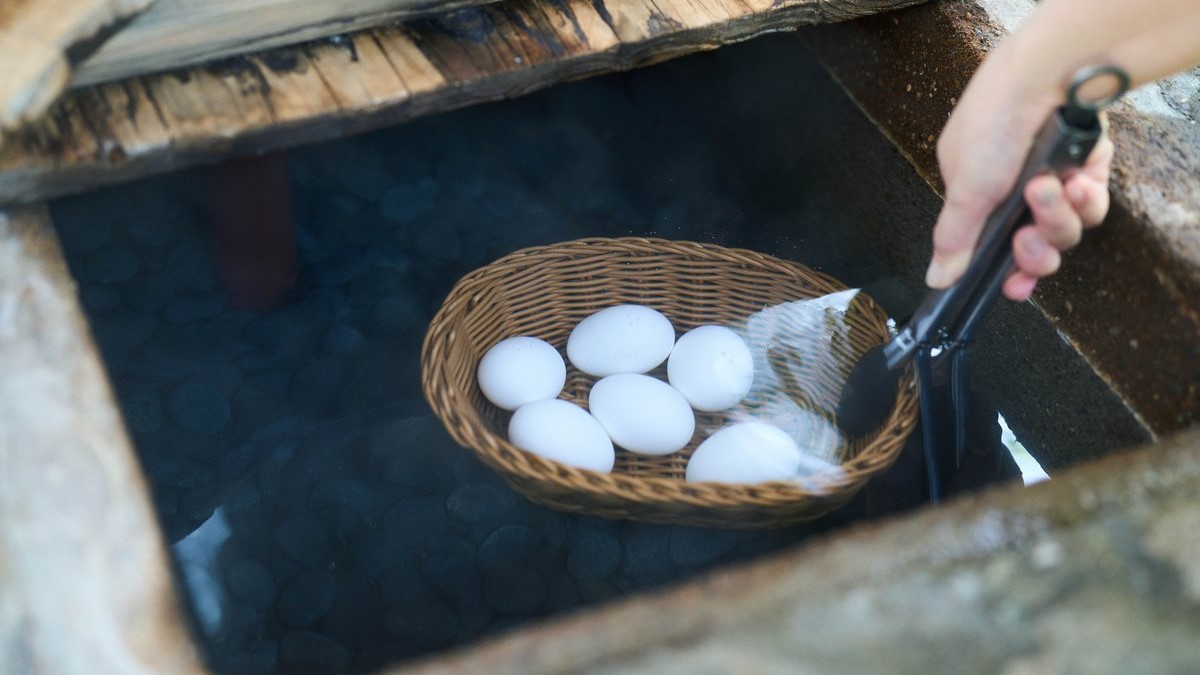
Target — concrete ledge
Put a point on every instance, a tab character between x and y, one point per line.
1091	572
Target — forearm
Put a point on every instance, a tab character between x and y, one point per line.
1148	38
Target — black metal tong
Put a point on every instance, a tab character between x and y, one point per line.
945	322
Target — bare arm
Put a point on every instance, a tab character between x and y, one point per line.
1020	83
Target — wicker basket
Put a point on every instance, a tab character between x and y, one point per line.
545	291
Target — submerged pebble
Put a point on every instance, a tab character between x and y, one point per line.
194	307
479	502
251	584
305	537
99	299
143	410
646	554
514	591
82	233
199	407
428	625
594	556
507	546
448	566
112	264
306	598
346	502
406	203
342	340
697	546
310	652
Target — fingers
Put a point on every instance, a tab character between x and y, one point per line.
1099	163
1055	216
1087	189
1035	256
1019	286
954	238
1061	210
1089	198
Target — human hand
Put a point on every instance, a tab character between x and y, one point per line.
980	154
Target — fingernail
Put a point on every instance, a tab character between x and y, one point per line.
1034	246
946	268
935	275
1049	194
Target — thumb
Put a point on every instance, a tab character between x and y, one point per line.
954	237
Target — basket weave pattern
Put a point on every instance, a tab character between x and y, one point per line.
545	291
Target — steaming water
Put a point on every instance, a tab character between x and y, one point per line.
322	519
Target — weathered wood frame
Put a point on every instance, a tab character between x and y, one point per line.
38	41
129	129
85	584
60	430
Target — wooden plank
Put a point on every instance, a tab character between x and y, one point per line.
178	33
285	97
85	587
39	39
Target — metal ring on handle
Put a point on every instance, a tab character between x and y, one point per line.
1090	73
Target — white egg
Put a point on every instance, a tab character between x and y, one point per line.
521	370
712	367
748	452
642	414
563	432
621	339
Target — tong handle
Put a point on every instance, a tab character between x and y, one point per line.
1064	141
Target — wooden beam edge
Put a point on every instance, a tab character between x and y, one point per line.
179	123
85	583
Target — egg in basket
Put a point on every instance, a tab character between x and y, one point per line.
661	381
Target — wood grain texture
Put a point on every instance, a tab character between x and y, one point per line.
85	588
38	41
276	99
177	33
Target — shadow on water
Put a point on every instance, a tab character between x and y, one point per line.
321	518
